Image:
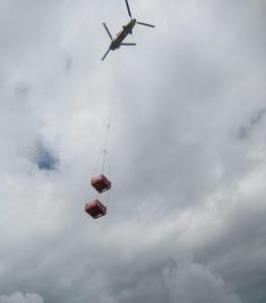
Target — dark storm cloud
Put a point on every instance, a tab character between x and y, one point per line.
245	131
186	215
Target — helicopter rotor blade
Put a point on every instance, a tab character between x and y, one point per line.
128	9
129	44
145	24
105	54
107	30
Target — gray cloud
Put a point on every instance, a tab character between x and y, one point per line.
21	298
186	214
193	283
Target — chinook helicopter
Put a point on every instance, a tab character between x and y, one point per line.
120	37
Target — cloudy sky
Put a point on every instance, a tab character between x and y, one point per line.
186	218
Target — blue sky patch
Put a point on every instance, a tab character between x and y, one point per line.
46	160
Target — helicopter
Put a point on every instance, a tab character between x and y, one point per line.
127	29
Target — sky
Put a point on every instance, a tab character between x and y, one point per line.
186	216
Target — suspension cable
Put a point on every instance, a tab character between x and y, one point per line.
107	137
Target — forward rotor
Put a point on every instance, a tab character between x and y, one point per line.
145	24
128	9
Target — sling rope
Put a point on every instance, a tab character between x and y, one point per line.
105	150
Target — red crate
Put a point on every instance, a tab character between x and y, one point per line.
96	209
101	183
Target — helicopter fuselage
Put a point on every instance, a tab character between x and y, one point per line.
120	37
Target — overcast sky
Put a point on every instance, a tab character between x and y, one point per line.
186	219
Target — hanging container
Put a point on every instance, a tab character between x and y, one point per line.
95	209
101	183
